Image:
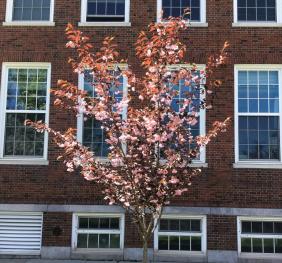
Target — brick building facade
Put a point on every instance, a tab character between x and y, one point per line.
233	210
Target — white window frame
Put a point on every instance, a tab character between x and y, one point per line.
239	235
80	120
203	19
253	163
28	160
83	21
203	235
24	252
202	123
10	22
75	231
278	22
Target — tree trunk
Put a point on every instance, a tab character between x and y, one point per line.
145	251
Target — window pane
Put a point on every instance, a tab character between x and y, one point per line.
174	225
196	244
105	223
176	9
246	227
115	241
93	241
278	227
196	225
31	10
173	243
114	223
82	240
94	223
246	244
256	227
268	245
20	139
256	10
278	245
105	10
257	245
185	243
83	222
185	225
163	242
164	225
268	227
104	241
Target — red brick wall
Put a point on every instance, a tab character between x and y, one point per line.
220	184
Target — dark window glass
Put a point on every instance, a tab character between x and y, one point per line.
278	227
246	244
196	244
83	222
256	10
173	243
115	241
246	227
114	223
105	11
104	223
176	9
82	240
163	242
94	223
257	245
164	225
278	245
93	240
256	227
185	243
268	245
268	227
196	225
104	241
174	225
185	225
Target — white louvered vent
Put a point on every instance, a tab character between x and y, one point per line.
20	233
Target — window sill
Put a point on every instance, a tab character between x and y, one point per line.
105	24
98	251
259	256
258	165
199	164
28	23
24	161
179	253
197	24
256	24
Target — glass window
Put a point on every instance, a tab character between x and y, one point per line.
260	236
26	98
31	10
99	232
256	10
195	92
185	234
176	9
93	136
106	11
258	115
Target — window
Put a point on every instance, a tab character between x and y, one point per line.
21	233
257	11
33	12
197	96
262	236
103	12
25	95
89	131
258	114
181	233
173	8
98	231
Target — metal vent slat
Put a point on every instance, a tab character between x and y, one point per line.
20	233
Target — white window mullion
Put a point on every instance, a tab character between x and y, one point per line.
280	108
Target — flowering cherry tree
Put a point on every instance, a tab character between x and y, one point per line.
151	150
